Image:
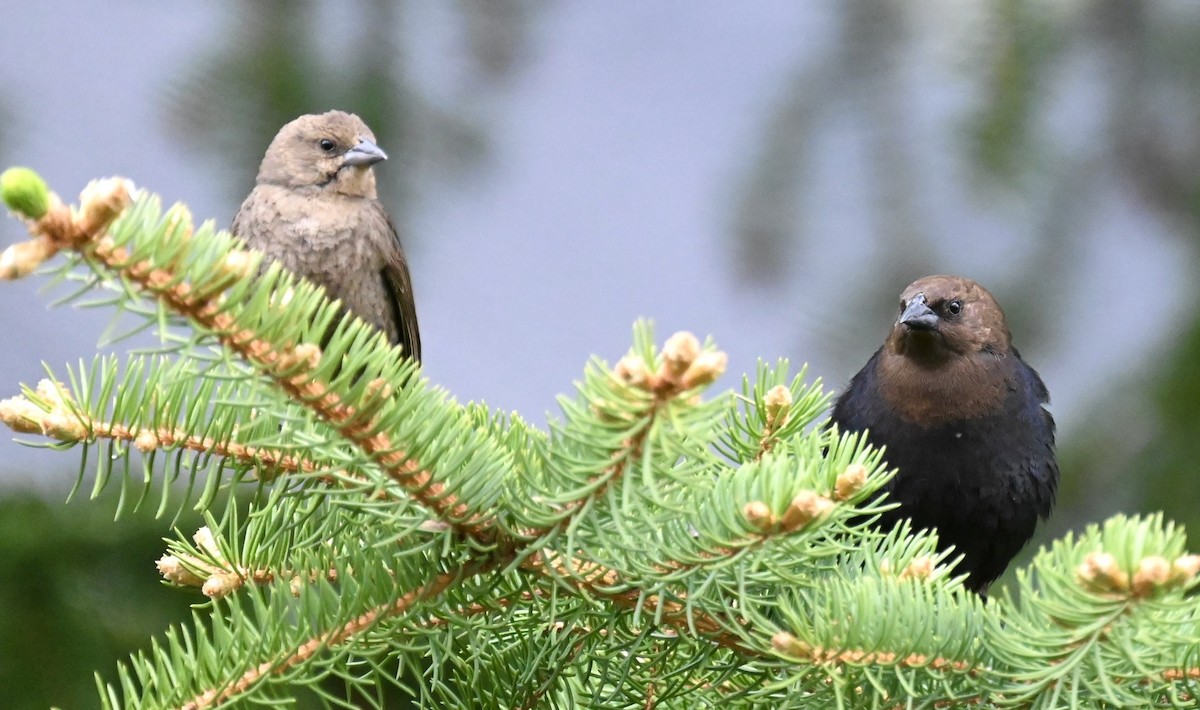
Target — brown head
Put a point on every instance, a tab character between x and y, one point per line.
944	316
947	355
331	151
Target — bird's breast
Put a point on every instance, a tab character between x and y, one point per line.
306	227
963	388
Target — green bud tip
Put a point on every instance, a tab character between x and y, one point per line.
25	192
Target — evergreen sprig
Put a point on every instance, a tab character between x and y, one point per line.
651	548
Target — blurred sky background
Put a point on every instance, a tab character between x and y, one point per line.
772	174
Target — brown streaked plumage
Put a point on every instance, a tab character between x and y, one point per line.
315	210
961	416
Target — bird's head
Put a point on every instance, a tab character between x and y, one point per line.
944	316
331	151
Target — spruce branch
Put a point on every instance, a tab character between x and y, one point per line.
51	411
652	548
200	295
306	650
210	569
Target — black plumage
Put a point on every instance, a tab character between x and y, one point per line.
962	418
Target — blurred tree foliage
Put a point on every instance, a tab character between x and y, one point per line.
283	58
1021	59
1138	451
77	593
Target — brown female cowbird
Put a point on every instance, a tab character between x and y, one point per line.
314	210
962	418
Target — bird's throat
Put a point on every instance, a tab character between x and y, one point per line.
925	348
929	393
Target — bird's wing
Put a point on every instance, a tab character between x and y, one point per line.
398	284
242	220
1044	464
858	406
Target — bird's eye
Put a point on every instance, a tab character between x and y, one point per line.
326	144
954	307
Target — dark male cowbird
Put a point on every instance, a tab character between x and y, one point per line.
314	209
962	418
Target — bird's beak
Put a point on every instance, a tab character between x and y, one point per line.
918	315
365	153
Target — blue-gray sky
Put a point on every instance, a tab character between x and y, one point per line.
616	156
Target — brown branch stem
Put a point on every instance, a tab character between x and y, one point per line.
216	697
88	235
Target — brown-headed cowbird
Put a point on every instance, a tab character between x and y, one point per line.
962	418
314	209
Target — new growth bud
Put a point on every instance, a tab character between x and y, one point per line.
1152	573
1184	569
55	415
22	258
52	393
101	201
207	543
759	515
806	507
146	441
221	584
850	482
1100	572
632	370
380	388
24	192
921	567
679	352
309	354
21	415
778	404
786	643
705	369
238	264
64	426
173	570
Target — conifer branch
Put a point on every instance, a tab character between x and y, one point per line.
651	549
798	651
540	691
289	367
62	419
216	697
218	577
593	579
644	395
777	404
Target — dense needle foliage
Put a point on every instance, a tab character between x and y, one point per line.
658	545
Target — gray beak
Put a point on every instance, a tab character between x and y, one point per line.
365	153
918	315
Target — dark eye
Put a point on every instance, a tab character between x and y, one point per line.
954	307
326	145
